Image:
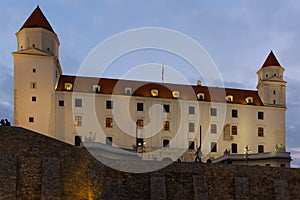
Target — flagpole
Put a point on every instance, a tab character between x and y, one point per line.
162	72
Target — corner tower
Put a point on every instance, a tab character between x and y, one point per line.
271	85
36	73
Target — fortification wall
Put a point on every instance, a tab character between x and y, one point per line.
33	166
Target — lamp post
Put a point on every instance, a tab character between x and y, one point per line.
136	136
247	150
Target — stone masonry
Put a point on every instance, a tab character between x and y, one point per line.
33	166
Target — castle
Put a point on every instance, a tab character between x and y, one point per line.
229	125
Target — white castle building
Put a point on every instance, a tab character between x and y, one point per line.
164	120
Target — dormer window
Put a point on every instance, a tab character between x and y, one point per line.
96	88
229	98
249	100
128	91
154	92
175	94
200	96
68	86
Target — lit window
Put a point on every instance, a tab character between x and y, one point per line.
166	143
175	94
166	125
33	99
191	110
140	106
78	103
140	123
213	128
108	122
68	86
109	141
31	119
191	127
33	85
233	148
200	96
249	100
234	113
78	121
260	132
213	147
191	145
128	91
260	148
166	108
233	130
96	88
213	111
61	103
229	98
109	104
154	93
260	115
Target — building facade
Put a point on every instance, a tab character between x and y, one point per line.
160	120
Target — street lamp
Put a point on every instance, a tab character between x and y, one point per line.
247	150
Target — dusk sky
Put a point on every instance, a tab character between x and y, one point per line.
238	35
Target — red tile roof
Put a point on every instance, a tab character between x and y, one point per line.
37	20
271	60
143	89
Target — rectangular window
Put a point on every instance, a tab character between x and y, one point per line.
33	99
213	128
31	119
166	108
233	130
191	127
33	85
140	106
166	125
191	110
33	70
109	141
260	132
108	122
109	104
78	121
191	145
61	103
213	111
282	165
78	103
233	148
213	147
260	148
140	123
260	115
234	113
166	143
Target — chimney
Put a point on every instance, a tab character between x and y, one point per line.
199	83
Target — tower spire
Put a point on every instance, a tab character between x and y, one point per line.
37	20
271	61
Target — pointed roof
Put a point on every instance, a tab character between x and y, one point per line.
37	19
271	61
